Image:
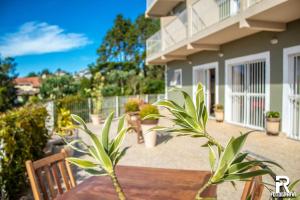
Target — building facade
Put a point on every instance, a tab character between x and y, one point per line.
246	53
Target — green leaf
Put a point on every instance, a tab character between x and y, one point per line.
72	143
96	172
245	176
212	158
232	149
118	140
240	157
120	155
79	120
292	185
121	123
152	116
81	162
105	131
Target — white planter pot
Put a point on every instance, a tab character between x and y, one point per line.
96	119
149	137
219	116
273	126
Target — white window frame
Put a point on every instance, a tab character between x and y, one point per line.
241	60
177	85
212	65
287	52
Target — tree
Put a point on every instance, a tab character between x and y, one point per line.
115	46
122	58
32	74
55	87
8	93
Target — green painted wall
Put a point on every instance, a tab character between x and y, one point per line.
253	44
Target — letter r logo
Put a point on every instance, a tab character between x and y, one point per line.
282	181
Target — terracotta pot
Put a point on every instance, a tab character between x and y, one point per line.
219	115
96	119
273	126
149	137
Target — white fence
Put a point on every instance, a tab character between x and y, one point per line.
110	104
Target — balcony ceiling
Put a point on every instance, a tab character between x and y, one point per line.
267	19
160	8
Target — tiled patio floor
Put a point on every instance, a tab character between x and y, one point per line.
187	153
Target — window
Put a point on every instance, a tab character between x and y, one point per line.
177	78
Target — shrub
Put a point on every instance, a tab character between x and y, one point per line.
148	109
75	104
273	114
23	136
132	105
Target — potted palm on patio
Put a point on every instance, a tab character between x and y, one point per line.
149	123
219	112
272	123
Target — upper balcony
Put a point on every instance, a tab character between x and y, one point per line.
160	8
207	24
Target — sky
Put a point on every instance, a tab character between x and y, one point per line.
56	34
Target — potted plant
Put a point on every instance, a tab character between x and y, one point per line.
149	123
219	112
132	110
272	123
97	98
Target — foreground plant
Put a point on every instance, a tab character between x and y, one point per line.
231	165
104	154
227	164
189	119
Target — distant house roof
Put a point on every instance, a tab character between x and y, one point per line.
34	81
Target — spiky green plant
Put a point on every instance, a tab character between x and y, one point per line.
231	165
189	119
228	164
104	154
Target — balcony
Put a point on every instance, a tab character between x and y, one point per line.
160	8
170	35
207	24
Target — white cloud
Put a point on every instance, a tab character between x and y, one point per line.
39	38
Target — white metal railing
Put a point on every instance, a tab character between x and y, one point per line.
208	12
249	3
248	93
154	44
202	14
295	116
175	31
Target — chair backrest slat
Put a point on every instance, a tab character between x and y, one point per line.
46	176
253	188
63	173
50	181
40	175
69	171
56	178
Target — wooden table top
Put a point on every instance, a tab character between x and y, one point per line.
141	183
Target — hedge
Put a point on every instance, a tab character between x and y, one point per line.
23	136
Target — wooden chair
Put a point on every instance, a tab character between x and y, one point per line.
45	179
253	188
136	125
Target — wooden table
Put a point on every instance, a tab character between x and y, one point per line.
141	183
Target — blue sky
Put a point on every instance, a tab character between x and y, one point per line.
58	33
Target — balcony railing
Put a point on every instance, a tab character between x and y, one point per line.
149	3
203	14
208	12
172	33
176	30
154	44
